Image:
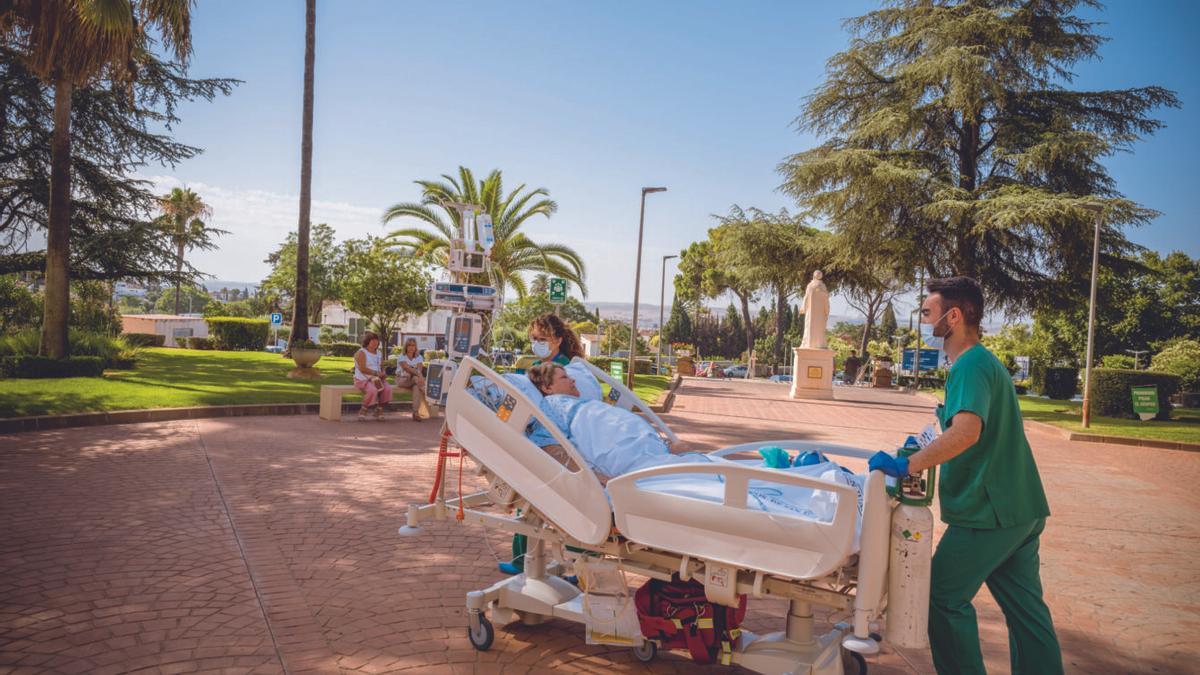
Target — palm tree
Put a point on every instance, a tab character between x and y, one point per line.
300	298
182	212
71	43
513	252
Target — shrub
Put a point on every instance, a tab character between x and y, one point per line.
1060	383
113	352
19	308
1122	361
145	339
198	343
1183	359
642	366
44	367
341	349
231	333
1111	394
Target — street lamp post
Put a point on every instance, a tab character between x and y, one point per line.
662	299
637	282
1087	373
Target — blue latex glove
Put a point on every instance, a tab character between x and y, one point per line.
896	467
775	457
809	458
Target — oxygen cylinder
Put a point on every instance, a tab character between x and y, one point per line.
909	564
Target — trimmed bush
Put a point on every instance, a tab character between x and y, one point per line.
198	343
1122	361
1111	394
341	348
31	367
145	339
1060	383
642	366
231	333
113	352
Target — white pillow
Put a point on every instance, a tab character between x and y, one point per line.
585	381
522	383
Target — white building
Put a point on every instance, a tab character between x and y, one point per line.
429	328
173	327
591	344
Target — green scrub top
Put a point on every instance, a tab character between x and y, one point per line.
995	482
561	359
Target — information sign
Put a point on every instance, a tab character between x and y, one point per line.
558	291
1145	402
276	318
929	359
617	370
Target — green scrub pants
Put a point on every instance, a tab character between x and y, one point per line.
1007	560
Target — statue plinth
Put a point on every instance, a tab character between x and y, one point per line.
812	373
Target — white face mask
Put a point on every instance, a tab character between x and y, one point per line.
541	349
927	336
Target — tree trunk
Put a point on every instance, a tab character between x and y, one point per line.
747	324
178	269
780	308
300	317
57	298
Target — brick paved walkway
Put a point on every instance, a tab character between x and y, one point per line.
268	545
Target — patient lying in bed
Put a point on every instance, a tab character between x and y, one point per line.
612	440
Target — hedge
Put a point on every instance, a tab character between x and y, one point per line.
642	366
1060	383
198	342
32	367
341	348
232	333
1111	394
144	339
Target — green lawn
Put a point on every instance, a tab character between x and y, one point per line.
177	378
1184	425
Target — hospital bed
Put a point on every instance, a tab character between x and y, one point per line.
727	545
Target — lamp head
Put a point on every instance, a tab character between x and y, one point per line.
648	190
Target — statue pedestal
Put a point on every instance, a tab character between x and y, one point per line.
812	374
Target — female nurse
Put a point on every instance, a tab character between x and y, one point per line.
552	341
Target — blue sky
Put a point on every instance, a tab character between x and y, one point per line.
590	100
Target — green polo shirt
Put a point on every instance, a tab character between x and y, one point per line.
995	482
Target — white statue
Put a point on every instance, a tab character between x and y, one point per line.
816	312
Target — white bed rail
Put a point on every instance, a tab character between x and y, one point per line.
629	401
730	532
573	500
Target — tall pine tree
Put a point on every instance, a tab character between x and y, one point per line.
951	132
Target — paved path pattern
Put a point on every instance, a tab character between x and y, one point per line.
268	545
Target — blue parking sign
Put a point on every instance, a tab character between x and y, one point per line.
276	318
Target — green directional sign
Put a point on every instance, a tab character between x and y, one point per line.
558	290
617	370
1145	401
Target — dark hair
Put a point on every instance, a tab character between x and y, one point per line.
963	293
550	323
542	375
413	342
367	337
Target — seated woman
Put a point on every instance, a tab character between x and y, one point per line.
409	375
613	441
370	378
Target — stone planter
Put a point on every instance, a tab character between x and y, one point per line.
305	358
684	366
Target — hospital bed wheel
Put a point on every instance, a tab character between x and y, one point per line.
482	638
646	652
853	663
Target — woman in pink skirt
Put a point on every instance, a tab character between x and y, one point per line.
370	378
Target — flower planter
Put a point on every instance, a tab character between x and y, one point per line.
305	358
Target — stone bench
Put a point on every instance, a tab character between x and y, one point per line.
331	400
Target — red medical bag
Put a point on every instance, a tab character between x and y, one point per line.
677	615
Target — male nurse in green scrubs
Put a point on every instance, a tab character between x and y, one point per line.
990	494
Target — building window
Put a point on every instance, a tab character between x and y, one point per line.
355	328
